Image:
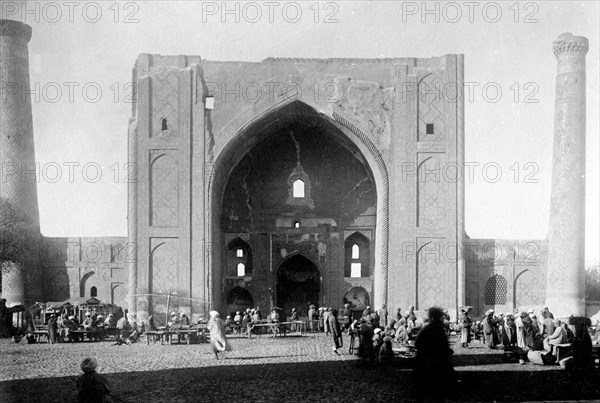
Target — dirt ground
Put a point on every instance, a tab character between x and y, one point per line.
292	369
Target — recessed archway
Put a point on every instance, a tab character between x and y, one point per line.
270	122
298	283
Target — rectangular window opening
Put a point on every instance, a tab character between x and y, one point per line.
429	128
355	269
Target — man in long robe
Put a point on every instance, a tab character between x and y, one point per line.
218	341
52	329
336	331
465	329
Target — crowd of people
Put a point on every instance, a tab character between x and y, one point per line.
523	332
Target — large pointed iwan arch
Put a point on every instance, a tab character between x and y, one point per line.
258	130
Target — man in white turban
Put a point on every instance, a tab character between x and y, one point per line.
218	342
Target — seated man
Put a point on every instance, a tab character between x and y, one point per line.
63	327
110	321
124	327
558	337
73	326
401	332
237	318
89	325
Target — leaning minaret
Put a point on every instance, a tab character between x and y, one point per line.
17	156
565	288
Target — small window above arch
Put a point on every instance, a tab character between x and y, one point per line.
93	292
355	251
298	188
164	125
240	253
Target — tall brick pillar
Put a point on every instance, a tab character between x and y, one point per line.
565	289
17	155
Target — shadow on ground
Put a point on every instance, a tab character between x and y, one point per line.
331	381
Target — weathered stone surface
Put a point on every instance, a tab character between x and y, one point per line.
566	236
17	155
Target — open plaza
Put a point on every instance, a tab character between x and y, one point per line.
292	368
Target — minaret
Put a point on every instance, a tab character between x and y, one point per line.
565	288
17	155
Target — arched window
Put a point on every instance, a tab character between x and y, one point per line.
239	258
93	292
356	256
298	188
296	224
495	290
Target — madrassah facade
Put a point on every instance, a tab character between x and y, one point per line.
296	181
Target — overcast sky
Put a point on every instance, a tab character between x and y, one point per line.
507	45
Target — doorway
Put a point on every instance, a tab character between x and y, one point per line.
298	284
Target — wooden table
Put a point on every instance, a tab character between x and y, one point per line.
300	326
157	335
313	325
83	333
166	335
272	328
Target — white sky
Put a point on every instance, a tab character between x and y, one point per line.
508	51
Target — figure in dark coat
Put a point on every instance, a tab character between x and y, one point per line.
91	386
336	331
489	329
465	326
509	334
366	351
151	325
52	329
433	366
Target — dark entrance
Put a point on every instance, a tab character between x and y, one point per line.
238	299
298	283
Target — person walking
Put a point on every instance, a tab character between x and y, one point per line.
218	341
336	331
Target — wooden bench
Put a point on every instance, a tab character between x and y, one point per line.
38	334
157	335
